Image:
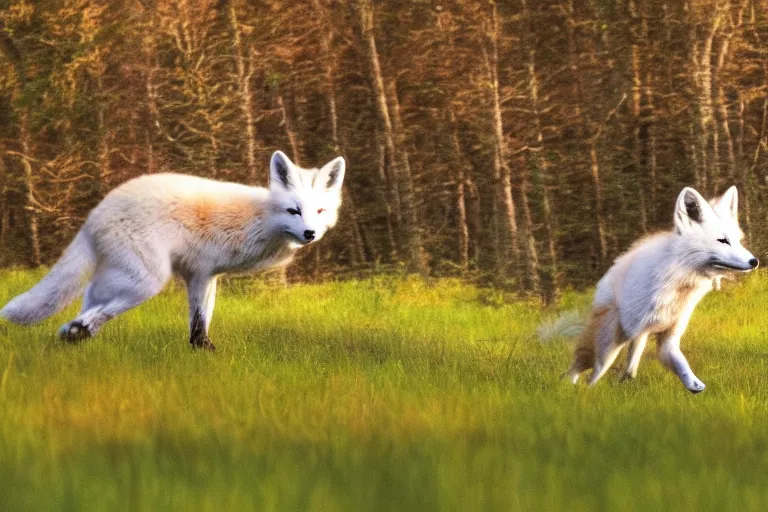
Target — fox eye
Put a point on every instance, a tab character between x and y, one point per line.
294	211
321	210
724	241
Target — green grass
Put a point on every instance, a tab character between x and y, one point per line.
378	394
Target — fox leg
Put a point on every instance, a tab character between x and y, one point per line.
201	292
113	290
603	361
635	351
608	344
672	358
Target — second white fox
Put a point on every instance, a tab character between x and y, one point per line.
655	286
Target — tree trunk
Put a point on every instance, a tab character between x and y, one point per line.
460	179
461	170
244	76
539	167
414	247
504	211
289	125
4	217
719	94
639	139
153	114
474	220
390	197
387	153
532	278
702	59
589	138
400	176
357	243
356	246
13	54
213	157
329	69
29	185
650	117
594	165
693	150
103	172
743	174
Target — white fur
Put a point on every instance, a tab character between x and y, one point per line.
656	285
162	224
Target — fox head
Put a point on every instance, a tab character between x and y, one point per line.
712	234
305	202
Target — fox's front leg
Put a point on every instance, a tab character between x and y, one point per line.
636	347
672	357
201	291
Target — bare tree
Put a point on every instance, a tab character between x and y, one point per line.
504	211
397	157
244	56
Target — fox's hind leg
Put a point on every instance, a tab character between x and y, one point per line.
603	361
114	289
583	360
635	351
201	291
608	343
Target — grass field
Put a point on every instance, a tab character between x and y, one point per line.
397	394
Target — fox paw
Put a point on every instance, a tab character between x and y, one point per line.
202	342
626	376
74	331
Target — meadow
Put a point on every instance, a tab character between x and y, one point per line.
378	394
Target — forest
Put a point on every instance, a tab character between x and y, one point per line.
524	143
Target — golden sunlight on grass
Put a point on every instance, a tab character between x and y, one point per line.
380	394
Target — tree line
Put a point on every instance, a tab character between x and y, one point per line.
521	142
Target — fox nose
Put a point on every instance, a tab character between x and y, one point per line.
753	263
309	235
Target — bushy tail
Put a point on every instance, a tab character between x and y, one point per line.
566	325
58	288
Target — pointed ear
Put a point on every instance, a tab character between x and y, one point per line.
729	203
331	176
689	210
282	171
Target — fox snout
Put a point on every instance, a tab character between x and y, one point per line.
751	261
743	265
744	262
309	235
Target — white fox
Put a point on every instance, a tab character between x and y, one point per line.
157	225
655	286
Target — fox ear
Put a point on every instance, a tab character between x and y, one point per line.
331	176
282	170
729	202
689	210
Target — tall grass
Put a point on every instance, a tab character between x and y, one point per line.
378	394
